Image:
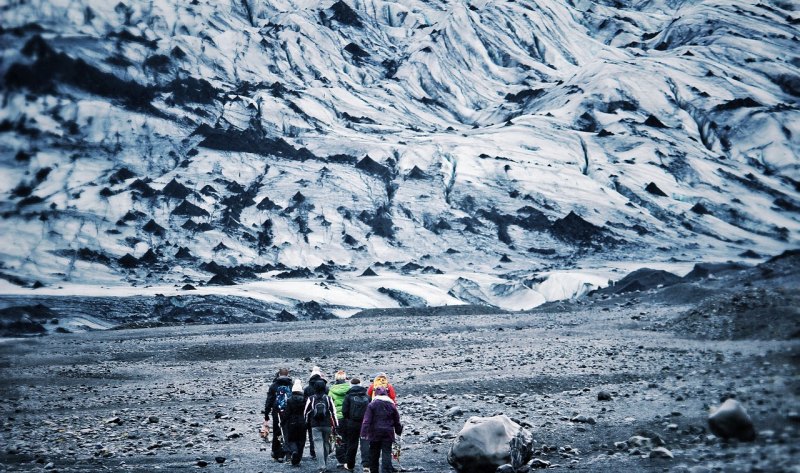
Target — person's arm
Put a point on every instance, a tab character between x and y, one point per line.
366	423
269	402
398	427
334	417
346	407
307	410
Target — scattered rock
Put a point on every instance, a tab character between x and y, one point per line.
220	460
485	443
654	189
730	421
539	463
604	396
580	418
654	122
152	420
660	452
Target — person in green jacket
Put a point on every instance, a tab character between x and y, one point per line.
337	391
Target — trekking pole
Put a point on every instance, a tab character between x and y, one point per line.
284	438
396	450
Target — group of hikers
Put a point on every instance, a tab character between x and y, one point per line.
344	413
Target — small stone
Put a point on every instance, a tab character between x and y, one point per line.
455	411
539	463
583	419
114	420
639	441
202	463
661	452
604	396
507	468
49	466
672	427
152	420
220	460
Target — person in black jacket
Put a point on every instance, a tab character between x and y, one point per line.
316	376
353	408
295	424
279	392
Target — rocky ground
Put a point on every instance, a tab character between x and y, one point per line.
176	398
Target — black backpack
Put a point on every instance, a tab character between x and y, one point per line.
358	406
319	411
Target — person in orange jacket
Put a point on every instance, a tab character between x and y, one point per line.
381	380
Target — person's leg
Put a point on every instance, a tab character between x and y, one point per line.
352	440
341	446
326	444
365	451
374	456
301	445
277	445
311	450
386	457
319	447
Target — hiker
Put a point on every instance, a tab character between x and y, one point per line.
295	423
337	392
316	374
320	414
381	423
382	380
279	393
353	409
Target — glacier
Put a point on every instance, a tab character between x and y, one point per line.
505	153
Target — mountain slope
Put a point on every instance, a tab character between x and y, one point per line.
170	143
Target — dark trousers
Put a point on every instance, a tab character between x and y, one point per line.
341	450
277	436
380	453
311	449
295	446
352	438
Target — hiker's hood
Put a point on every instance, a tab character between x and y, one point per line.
283	381
357	390
339	389
383	398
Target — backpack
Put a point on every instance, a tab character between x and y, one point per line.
358	406
320	409
282	395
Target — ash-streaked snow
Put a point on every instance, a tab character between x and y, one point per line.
493	152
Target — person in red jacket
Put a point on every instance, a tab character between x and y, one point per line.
381	380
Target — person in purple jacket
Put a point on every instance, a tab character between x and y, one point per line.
381	423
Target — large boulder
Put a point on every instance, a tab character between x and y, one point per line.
730	421
485	443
